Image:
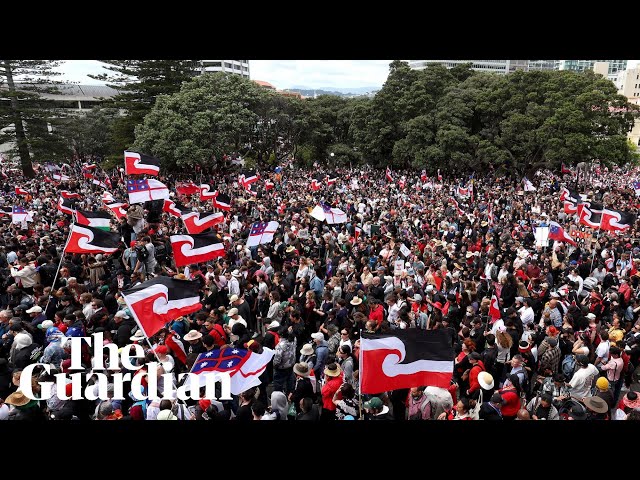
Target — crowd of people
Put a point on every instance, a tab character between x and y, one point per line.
566	347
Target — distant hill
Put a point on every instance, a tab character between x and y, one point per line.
340	92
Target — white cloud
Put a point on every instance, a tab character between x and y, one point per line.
77	71
321	74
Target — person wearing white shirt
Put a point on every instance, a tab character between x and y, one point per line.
235	225
582	380
602	350
234	284
526	312
394	309
574	277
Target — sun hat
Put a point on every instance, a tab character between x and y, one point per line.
356	301
596	404
301	369
307	349
485	379
17	399
192	335
332	370
631	400
139	335
236	273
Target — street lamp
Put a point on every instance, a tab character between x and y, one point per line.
332	155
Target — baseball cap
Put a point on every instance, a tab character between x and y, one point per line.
375	402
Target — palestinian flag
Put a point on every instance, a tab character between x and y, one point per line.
85	239
99	220
173	208
616	220
140	164
222	202
206	193
160	300
405	359
188	249
119	209
198	222
68	194
66	205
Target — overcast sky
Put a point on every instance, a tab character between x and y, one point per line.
321	74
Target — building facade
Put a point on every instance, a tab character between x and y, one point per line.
628	83
494	66
237	67
581	65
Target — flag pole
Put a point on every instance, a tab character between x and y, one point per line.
360	378
53	285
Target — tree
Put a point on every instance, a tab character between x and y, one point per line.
25	116
209	116
140	82
90	135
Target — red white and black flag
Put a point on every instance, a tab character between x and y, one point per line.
140	164
85	239
198	222
206	193
332	177
248	177
68	194
119	209
160	300
188	249
222	202
405	359
316	183
616	220
66	205
175	209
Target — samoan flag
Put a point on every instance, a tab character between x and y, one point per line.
243	366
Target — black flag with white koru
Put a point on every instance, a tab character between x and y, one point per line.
160	300
405	359
188	249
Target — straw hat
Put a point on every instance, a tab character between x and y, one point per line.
485	379
290	249
332	370
17	399
356	301
301	369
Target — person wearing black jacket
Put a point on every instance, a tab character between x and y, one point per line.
123	326
303	387
491	410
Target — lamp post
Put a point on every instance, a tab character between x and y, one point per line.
332	155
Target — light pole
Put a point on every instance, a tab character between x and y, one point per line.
332	155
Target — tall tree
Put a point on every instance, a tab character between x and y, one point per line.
25	116
140	82
210	115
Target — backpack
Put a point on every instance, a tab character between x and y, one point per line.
142	253
568	366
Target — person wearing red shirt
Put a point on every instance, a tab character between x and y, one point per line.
511	395
376	312
333	380
478	366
